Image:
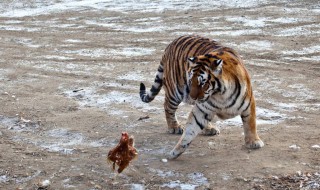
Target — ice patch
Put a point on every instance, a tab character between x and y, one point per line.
155	150
132	51
4	179
15	9
133	76
43	8
62	140
286	106
265	63
285	20
164	174
59	140
237	32
90	98
66	184
309	58
75	41
177	184
119	85
4	73
304	51
16	124
296	106
225	176
27	42
308	30
18	28
198	178
264	117
300	92
56	140
94	53
30	177
18	179
252	22
12	22
74	68
57	57
257	45
138	28
137	187
123	52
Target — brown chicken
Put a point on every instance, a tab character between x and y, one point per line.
123	153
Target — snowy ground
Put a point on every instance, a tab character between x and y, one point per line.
70	73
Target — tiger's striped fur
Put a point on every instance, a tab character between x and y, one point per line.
202	72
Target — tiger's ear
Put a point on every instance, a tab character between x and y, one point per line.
217	66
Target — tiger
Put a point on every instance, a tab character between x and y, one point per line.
211	77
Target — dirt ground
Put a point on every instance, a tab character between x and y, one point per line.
69	81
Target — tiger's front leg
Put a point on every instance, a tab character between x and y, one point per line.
252	139
196	122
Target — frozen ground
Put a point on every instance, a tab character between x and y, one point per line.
70	73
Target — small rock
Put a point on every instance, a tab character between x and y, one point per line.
315	146
299	173
164	160
44	184
294	147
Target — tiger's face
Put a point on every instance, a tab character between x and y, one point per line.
201	76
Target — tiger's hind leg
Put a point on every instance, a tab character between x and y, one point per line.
170	108
210	130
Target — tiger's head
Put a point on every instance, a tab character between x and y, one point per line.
203	74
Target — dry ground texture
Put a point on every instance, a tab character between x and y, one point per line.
69	78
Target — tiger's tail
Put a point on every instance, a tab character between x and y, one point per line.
155	89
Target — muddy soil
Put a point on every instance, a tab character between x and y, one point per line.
69	81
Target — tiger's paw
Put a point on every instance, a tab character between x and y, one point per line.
254	144
173	155
176	152
211	131
176	130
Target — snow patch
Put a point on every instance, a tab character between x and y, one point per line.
90	98
257	45
132	51
252	22
18	28
43	7
4	178
307	30
304	51
264	117
134	76
137	187
237	32
177	184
